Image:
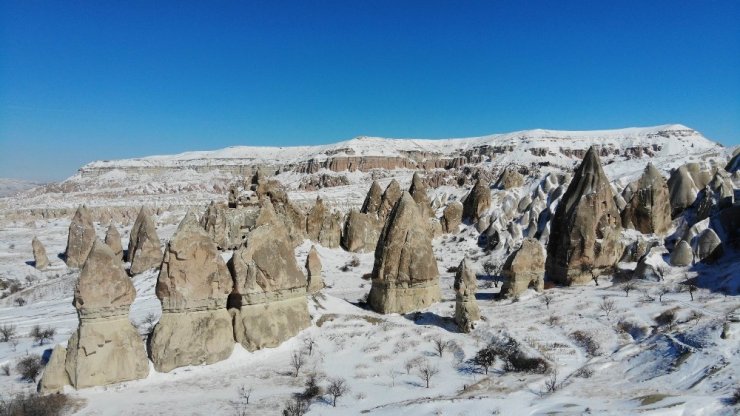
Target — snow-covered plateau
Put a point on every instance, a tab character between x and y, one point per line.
607	344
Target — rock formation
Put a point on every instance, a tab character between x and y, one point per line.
361	232
144	252
105	348
525	268
584	233
452	217
648	209
509	178
226	226
113	240
418	191
708	246
40	260
373	199
682	189
466	306
313	267
477	201
323	226
405	275
682	255
193	286
269	298
391	195
81	238
651	265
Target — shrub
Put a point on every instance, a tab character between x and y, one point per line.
484	358
5	369
42	335
735	398
515	360
7	332
29	367
585	341
634	330
337	388
666	318
19	301
27	404
584	372
295	407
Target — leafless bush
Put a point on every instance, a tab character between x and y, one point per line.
607	306
367	276
29	367
551	384
412	363
7	332
19	301
585	341
310	343
440	345
634	330
27	404
427	371
546	299
553	320
628	287
515	360
664	290
241	403
295	407
584	372
337	388
42	335
297	361
666	318
691	289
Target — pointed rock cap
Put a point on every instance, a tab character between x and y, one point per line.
417	184
373	198
393	188
465	278
651	177
103	287
267	213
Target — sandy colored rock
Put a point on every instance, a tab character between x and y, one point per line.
418	191
649	209
682	189
651	266
40	259
228	227
466	306
682	255
55	372
193	287
452	217
144	251
585	231
391	195
105	348
477	202
323	226
509	178
313	269
405	275
361	232
81	238
268	302
113	240
708	246
372	202
524	269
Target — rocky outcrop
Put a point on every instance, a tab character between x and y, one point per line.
372	202
193	286
682	189
524	269
40	260
269	298
734	164
418	191
509	178
226	226
584	233
81	238
708	246
477	202
452	217
323	226
651	266
105	348
313	269
648	209
391	195
361	232
405	275
682	255
55	374
466	306
144	252
113	240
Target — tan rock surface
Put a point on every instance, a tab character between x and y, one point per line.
524	269
466	306
81	238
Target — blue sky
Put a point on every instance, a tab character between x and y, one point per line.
81	81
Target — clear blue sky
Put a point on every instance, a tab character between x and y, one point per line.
88	80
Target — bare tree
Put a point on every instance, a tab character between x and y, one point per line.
692	289
310	343
485	358
409	365
427	371
664	290
627	287
607	306
546	299
337	388
42	335
19	301
297	360
392	374
551	384
296	407
492	270
242	402
7	332
440	345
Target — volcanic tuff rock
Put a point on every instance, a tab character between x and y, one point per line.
418	191
40	260
584	233
651	265
361	232
106	348
323	226
113	240
313	267
228	226
372	202
55	374
144	252
477	201
525	268
193	286
683	190
81	238
509	178
649	209
405	275
466	306
682	255
708	246
269	298
452	217
391	195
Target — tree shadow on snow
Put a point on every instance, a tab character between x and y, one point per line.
429	318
